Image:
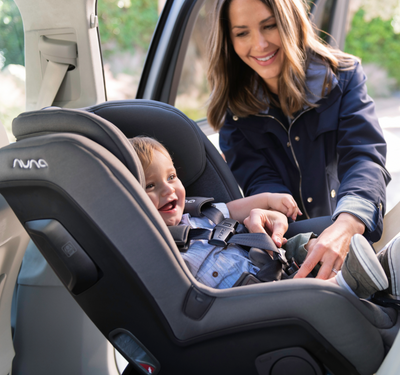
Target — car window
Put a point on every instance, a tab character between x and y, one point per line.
126	28
12	70
193	90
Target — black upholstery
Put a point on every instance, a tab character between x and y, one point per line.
141	283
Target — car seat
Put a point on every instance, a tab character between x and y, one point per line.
75	183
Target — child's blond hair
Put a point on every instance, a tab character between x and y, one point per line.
145	147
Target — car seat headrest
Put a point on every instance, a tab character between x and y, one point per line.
180	135
3	136
58	120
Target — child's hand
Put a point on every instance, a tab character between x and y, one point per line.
284	203
272	222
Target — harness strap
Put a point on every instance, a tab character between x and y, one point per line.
183	234
199	206
213	213
259	240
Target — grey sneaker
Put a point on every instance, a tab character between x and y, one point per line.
390	261
361	269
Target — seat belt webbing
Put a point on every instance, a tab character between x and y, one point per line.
51	82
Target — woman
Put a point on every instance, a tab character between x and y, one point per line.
294	117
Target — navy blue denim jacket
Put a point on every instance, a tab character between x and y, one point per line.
331	159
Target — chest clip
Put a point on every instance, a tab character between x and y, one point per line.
223	232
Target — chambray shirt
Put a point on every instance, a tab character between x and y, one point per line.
215	266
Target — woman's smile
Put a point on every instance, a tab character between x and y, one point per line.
268	59
256	40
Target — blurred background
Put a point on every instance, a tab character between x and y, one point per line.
126	28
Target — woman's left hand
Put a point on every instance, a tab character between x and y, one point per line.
331	247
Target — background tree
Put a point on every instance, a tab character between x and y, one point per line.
126	25
11	34
374	37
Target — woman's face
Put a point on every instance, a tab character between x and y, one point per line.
255	38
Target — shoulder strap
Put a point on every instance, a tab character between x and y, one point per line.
227	231
199	206
193	205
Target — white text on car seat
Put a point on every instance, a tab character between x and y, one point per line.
41	163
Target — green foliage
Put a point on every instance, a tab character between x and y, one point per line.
11	34
375	42
126	24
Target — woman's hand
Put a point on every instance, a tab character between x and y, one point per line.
284	203
272	222
331	247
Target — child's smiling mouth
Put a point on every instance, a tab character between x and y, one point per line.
169	206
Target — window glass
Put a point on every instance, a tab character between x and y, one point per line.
126	28
12	70
373	34
193	90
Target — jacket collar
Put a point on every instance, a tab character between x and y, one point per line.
315	77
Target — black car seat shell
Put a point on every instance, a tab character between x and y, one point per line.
141	284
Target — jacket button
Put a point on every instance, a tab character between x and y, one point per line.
235	118
297	138
309	199
333	193
288	144
215	274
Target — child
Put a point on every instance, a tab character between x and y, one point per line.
221	267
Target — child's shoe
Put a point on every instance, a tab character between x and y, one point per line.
361	269
390	261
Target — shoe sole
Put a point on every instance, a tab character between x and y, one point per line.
393	260
367	258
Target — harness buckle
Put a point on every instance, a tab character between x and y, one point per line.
223	232
292	267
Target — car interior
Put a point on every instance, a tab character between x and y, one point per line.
100	233
91	281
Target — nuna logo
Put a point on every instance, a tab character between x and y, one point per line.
41	163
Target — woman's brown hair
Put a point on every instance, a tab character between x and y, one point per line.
235	85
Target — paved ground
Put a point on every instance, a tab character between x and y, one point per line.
388	111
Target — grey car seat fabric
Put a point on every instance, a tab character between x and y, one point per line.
93	221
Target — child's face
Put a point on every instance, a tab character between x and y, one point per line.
165	189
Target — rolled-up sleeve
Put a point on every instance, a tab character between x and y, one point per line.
361	208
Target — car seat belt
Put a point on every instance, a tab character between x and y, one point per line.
51	82
229	231
226	231
60	55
